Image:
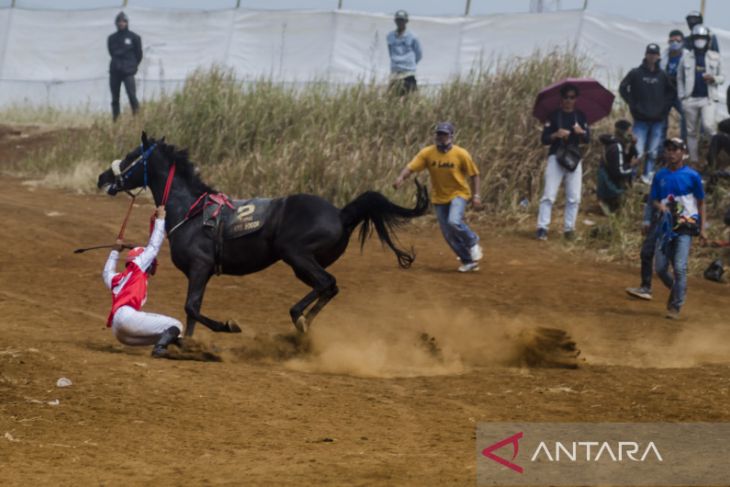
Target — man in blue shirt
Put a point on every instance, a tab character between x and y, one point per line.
405	53
669	64
677	194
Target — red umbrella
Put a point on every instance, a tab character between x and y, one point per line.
594	100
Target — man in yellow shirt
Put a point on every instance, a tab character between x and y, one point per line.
454	182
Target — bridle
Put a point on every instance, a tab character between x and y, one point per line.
121	175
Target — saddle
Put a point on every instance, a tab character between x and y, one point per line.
232	219
229	219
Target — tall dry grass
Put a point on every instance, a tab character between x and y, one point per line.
264	138
267	139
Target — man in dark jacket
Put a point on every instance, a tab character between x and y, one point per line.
649	93
617	165
565	127
720	141
125	48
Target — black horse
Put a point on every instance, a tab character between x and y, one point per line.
305	231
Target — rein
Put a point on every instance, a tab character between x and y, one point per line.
197	208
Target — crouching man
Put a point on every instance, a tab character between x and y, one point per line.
128	322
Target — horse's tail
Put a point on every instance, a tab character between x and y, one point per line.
372	209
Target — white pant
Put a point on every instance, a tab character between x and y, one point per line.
698	111
132	327
554	175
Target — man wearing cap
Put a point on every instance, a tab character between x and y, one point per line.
125	48
695	18
678	196
649	93
454	182
699	77
670	64
405	53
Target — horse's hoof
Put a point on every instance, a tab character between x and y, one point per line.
233	327
301	324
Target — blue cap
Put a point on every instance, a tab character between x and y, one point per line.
445	127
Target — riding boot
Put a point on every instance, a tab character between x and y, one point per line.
167	338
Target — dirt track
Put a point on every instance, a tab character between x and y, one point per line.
368	406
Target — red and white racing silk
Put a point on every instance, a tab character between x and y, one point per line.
129	288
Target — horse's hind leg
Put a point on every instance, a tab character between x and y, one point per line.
197	281
308	270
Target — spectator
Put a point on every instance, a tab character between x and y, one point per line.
564	131
695	18
405	53
669	63
720	141
617	165
125	48
698	79
678	195
454	182
649	93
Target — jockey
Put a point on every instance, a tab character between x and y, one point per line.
129	323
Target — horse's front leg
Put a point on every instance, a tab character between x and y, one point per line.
197	281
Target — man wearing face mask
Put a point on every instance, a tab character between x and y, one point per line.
695	18
649	93
669	64
698	78
454	182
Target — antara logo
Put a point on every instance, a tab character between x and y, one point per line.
588	451
514	440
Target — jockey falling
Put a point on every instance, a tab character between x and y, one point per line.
129	323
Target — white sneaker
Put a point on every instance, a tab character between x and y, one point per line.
476	252
470	267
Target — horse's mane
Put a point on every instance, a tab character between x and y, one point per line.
185	168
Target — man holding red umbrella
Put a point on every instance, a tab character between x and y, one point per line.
565	130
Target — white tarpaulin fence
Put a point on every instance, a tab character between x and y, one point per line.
59	58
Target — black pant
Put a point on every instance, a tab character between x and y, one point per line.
718	143
115	83
648	247
402	87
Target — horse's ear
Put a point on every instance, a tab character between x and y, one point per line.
145	141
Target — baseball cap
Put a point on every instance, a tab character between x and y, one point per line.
653	49
445	127
402	15
675	142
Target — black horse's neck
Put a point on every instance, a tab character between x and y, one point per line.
185	188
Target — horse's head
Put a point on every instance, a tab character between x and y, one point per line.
132	171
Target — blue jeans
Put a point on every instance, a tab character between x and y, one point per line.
457	233
676	252
677	105
649	138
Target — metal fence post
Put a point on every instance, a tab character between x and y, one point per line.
467	8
